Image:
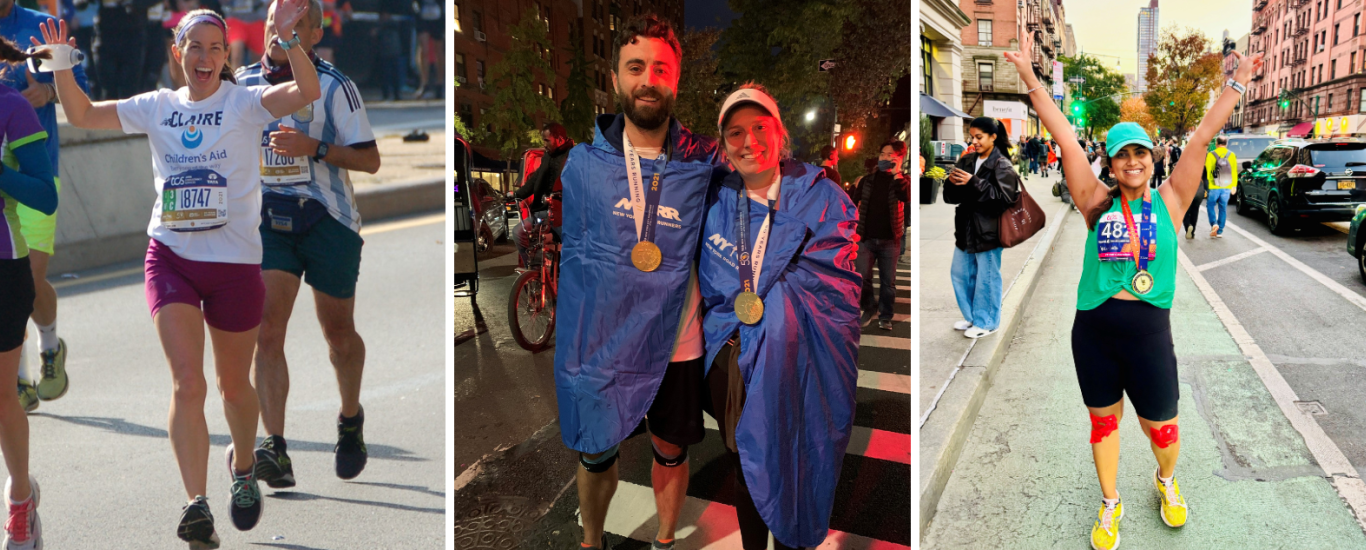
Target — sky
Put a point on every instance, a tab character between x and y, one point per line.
1110	27
699	14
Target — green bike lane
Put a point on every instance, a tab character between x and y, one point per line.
1026	478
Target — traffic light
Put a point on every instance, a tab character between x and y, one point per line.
1284	99
849	142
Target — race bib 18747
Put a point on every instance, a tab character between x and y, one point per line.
282	171
1112	237
196	200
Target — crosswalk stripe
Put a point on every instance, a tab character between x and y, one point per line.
891	342
885	381
865	442
702	524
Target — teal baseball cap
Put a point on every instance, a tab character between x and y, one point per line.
1123	134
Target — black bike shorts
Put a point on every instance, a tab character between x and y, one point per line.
1125	346
16	301
676	413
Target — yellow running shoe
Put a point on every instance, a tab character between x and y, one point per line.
1105	533
1173	506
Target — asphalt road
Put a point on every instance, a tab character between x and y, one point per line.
514	476
105	467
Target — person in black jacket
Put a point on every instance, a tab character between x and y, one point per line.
541	183
983	186
881	202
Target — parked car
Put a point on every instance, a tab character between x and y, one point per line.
1356	241
493	222
1244	147
1297	181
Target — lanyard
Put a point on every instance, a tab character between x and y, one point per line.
644	203
752	265
1141	254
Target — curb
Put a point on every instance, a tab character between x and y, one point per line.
945	432
374	203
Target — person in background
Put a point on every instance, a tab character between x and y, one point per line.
121	29
540	184
882	200
1221	171
983	187
431	32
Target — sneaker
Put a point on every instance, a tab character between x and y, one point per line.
884	324
350	449
977	332
196	525
273	465
962	325
1173	506
23	530
865	319
1213	231
54	382
246	497
1190	232
28	395
1105	533
1219	235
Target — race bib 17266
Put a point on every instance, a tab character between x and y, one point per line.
281	171
196	200
1112	237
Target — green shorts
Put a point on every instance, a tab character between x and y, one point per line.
39	229
327	257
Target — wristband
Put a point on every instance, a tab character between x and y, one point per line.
1241	89
61	58
1034	89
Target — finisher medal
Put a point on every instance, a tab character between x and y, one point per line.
749	307
646	256
1142	283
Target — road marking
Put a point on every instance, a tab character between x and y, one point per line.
884	381
702	524
889	342
1340	471
864	442
367	230
1351	297
1231	259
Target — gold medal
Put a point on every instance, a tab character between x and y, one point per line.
1143	282
749	308
645	255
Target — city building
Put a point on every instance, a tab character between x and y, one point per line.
1069	45
991	85
1148	29
1242	46
941	68
1314	50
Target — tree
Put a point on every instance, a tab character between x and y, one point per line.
516	104
1135	109
700	78
577	108
1094	98
868	61
1182	74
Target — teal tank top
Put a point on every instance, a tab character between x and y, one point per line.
1103	278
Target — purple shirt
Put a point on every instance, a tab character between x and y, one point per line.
18	126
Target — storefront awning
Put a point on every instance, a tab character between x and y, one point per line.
930	106
1301	130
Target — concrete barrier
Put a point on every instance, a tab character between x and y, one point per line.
107	195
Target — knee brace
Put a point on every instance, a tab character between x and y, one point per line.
1165	436
670	461
601	463
1102	427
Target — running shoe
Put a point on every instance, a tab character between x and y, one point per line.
54	382
1105	533
273	465
28	395
23	530
350	449
1213	231
1190	232
658	545
884	324
866	319
246	497
196	525
1173	506
962	325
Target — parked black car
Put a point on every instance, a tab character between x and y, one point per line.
1296	181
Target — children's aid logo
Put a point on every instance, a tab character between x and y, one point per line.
191	137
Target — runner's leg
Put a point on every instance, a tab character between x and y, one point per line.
13	429
670	484
345	348
1106	452
181	328
270	368
232	365
595	494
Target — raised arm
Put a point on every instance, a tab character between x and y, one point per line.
1185	178
80	112
284	98
1080	181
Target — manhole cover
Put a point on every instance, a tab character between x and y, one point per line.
1311	407
496	523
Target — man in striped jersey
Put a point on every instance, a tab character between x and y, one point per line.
310	231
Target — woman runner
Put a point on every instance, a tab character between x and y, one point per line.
781	330
1122	338
26	177
203	261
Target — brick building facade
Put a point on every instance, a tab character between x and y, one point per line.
1316	49
991	85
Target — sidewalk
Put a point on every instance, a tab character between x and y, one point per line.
955	371
1026	479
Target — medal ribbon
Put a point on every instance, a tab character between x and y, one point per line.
752	265
644	202
1141	252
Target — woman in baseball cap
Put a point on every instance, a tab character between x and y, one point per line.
1121	337
780	294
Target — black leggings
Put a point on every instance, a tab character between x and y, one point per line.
16	301
1125	346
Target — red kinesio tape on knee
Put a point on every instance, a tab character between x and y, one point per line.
1165	436
1102	426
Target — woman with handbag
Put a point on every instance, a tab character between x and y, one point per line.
983	186
1122	337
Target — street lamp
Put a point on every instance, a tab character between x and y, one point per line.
811	115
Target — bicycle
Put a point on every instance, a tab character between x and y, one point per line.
531	306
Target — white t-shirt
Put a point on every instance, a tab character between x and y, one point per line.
205	158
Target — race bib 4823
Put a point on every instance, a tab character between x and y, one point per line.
196	200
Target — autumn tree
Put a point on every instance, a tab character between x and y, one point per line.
1096	94
697	99
1135	109
577	108
1182	74
868	60
517	104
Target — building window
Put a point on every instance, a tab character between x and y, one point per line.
478	22
1335	33
985	77
1356	24
460	67
926	64
1361	105
983	32
1332	69
457	17
1352	64
1330	104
